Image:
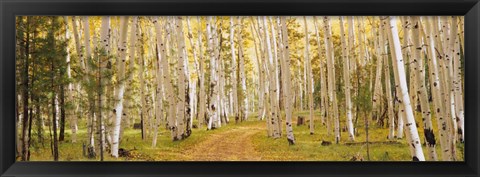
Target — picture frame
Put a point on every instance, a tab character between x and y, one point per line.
9	9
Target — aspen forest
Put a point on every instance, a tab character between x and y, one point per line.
240	88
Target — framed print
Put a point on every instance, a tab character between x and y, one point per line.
239	88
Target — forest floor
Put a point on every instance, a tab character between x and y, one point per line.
247	141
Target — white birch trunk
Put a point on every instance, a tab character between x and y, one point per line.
88	51
377	92
212	108
122	51
388	87
346	74
259	57
168	86
422	90
182	79
397	97
410	125
104	44
202	94
272	86
234	69
331	78
323	88
193	83
285	65
243	83
436	88
131	57
458	87
159	83
309	75
216	53
72	117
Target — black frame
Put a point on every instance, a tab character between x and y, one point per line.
10	8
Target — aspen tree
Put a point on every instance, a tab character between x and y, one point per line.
159	82
168	85
458	87
450	52
277	71
410	60
234	68
193	85
220	74
202	95
261	74
422	90
216	54
131	57
285	65
377	91
435	87
122	49
446	121
412	133
397	97
212	109
331	75
274	115
143	99
346	75
323	88
388	87
309	75
78	47
182	79
73	124
88	52
104	44
243	99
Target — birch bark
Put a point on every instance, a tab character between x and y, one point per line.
119	112
412	133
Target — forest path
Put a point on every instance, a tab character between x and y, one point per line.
233	145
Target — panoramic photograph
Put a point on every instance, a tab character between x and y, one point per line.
239	88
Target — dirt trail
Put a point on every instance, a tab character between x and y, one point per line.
232	145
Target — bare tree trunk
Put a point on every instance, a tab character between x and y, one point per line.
167	79
182	81
346	75
287	94
25	52
261	73
202	99
458	87
213	107
323	88
193	82
143	99
274	115
331	78
449	75
119	112
436	88
422	90
388	87
378	90
412	133
445	119
309	75
234	69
